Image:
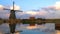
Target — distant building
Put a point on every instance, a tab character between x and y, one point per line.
32	21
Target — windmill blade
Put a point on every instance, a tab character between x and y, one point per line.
6	9
9	9
18	11
13	5
4	13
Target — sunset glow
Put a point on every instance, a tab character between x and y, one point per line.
31	13
57	5
1	7
58	32
15	7
31	27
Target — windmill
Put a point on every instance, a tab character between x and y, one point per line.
12	19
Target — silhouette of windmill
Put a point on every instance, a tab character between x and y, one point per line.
12	19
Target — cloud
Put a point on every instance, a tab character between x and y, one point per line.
4	16
16	7
6	13
31	12
1	7
26	14
50	12
57	5
42	12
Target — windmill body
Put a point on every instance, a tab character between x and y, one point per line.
12	23
12	19
12	14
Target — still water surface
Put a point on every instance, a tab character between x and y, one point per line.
48	28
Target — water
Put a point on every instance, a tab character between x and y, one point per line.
47	28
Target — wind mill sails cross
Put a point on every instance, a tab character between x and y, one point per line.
12	12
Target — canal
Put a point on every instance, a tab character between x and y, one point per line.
48	28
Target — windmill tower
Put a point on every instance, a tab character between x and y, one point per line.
12	19
12	13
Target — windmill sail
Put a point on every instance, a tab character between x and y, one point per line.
13	5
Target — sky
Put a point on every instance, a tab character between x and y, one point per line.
29	4
51	8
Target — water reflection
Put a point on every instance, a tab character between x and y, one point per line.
31	27
26	29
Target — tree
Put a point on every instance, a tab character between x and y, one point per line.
1	21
